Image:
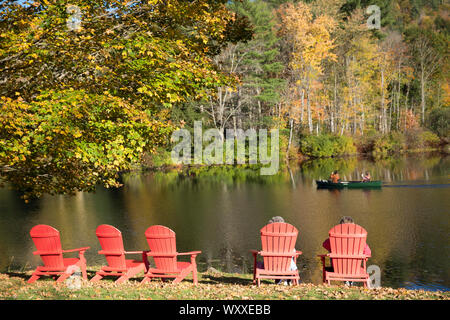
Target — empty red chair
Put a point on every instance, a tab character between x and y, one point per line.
48	245
278	249
347	242
111	242
161	241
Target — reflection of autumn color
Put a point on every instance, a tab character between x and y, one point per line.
414	174
335	192
404	224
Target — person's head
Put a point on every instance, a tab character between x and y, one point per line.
276	219
335	172
346	219
367	173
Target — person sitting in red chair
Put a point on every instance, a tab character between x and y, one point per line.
346	219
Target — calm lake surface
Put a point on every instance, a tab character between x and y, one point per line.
220	211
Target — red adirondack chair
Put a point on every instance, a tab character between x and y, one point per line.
348	261
161	241
48	245
112	247
278	249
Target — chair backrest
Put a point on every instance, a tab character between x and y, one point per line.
162	240
111	242
347	242
48	245
278	237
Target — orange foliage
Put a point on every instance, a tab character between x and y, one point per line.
409	120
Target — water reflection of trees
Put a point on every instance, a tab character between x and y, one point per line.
313	212
400	168
220	211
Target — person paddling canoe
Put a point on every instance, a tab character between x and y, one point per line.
334	177
366	177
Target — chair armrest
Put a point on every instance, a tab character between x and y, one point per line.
297	253
254	252
192	253
161	254
136	252
119	253
78	249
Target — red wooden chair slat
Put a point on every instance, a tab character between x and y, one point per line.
162	243
111	242
278	249
48	244
347	243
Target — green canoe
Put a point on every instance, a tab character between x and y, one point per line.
348	184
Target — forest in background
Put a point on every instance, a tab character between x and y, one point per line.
334	86
90	89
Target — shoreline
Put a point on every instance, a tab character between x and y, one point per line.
212	285
300	159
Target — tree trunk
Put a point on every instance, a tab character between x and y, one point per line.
383	124
291	124
308	106
422	93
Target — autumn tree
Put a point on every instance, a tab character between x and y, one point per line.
309	46
87	85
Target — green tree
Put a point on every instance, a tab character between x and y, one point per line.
261	63
87	85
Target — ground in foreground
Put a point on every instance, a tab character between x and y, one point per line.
212	286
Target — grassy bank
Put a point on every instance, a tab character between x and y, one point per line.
212	286
311	146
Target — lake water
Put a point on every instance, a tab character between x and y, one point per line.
220	212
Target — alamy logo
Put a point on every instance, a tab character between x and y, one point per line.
374	21
374	276
74	21
74	281
221	149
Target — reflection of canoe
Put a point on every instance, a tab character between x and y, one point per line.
348	184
